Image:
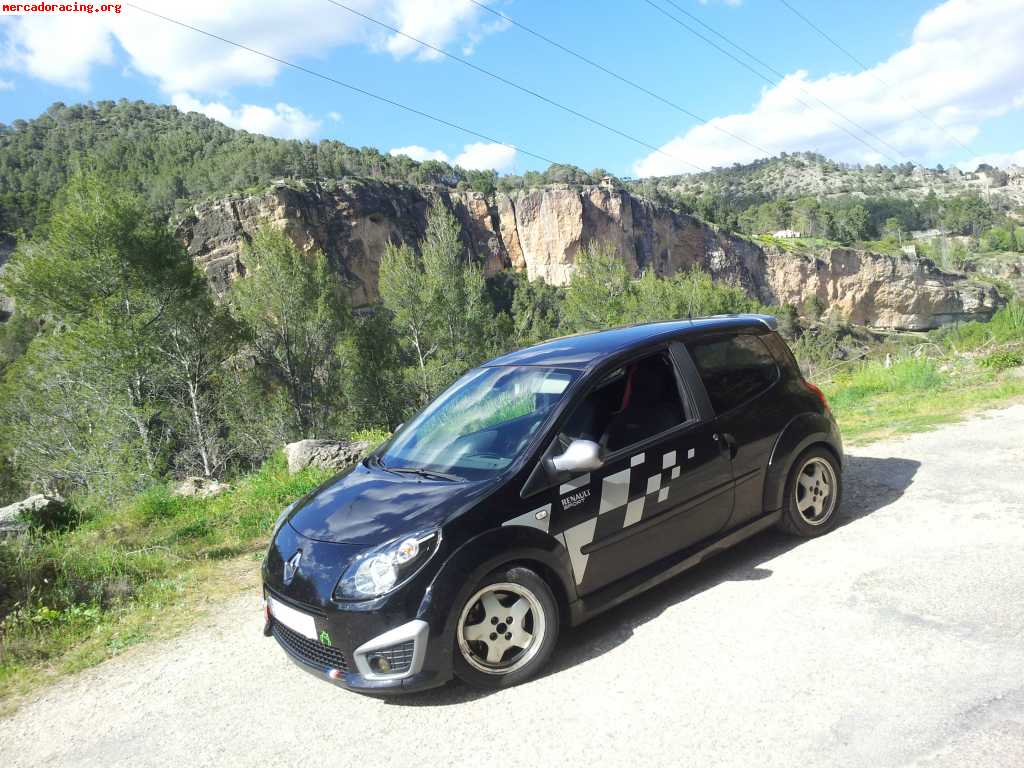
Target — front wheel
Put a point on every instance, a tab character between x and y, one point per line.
506	630
813	492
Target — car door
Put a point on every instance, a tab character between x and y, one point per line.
665	483
740	376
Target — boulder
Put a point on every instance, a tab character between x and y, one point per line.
39	509
325	454
202	487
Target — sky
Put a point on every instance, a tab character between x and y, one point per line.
942	83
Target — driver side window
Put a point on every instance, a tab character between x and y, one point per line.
631	403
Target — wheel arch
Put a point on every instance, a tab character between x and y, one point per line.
802	432
497	547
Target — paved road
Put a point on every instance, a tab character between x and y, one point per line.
897	640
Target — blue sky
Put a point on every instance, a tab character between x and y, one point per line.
960	63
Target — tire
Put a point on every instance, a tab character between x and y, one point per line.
487	658
814	490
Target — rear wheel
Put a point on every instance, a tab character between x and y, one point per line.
813	492
506	630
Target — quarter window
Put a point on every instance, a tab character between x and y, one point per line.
734	369
632	403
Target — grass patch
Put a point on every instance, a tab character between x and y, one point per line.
950	374
872	379
130	573
901	412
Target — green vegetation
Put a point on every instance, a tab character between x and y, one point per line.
171	159
439	305
120	575
929	380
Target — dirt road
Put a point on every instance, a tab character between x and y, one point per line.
897	640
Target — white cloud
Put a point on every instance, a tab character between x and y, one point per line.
480	156
997	159
64	49
962	68
436	22
335	116
6	85
486	157
283	121
419	153
54	47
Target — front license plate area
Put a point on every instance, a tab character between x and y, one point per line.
297	621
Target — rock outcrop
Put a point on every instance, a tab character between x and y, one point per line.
903	292
541	232
39	509
6	302
201	487
325	454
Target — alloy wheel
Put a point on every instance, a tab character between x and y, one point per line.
501	628
815	491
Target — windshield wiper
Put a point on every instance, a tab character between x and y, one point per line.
427	473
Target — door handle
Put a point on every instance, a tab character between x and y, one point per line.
730	442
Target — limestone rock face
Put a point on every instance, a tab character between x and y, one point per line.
325	454
6	302
902	292
541	232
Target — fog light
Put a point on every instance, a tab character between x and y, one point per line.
334	674
380	664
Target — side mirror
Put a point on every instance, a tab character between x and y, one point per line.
580	456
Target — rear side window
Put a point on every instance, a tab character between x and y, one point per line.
734	369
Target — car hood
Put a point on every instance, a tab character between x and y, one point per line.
368	506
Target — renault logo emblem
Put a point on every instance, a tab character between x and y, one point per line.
291	567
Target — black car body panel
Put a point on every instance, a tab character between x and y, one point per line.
654	508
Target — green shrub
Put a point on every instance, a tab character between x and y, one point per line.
59	584
913	374
1003	359
1006	326
374	435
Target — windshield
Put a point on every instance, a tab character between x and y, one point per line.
480	424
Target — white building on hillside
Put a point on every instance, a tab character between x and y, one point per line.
786	233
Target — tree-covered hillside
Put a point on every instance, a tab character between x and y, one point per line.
172	158
800	174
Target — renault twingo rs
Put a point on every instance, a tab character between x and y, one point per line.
543	488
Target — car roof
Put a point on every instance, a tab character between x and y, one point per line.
583	350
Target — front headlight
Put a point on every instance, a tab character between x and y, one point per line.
381	569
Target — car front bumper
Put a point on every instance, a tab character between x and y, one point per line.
396	660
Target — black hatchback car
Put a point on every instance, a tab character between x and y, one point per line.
543	488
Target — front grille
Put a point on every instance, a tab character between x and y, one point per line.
399	656
310	651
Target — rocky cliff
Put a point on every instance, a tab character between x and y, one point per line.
6	303
541	231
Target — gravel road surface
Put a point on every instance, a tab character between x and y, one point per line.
897	640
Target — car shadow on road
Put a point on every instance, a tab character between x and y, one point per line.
870	484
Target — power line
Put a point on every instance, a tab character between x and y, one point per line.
343	84
618	77
769	80
517	86
866	69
